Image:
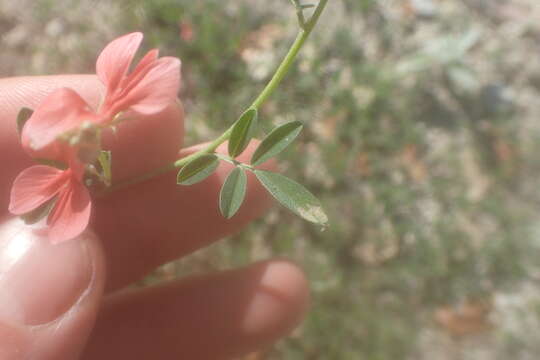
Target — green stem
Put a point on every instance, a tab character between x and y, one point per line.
268	90
287	62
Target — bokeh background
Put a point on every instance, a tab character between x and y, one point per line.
421	137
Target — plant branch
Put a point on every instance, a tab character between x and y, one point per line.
268	90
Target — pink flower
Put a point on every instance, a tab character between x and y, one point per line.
65	128
150	87
40	184
61	111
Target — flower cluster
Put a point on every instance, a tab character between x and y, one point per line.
64	129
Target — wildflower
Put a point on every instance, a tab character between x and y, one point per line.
61	111
64	128
147	89
42	185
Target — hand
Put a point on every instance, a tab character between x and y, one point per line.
63	301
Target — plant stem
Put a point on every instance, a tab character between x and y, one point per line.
287	62
268	90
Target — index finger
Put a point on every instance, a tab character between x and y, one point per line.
145	225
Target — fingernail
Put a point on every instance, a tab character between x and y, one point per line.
39	282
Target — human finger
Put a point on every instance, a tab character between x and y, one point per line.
217	316
149	224
49	294
144	225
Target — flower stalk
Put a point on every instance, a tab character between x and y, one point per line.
306	29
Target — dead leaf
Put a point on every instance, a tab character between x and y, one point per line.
363	164
326	128
261	40
186	31
467	319
503	150
415	168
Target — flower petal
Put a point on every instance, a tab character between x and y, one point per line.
71	215
156	90
112	104
140	71
61	111
146	62
35	186
113	62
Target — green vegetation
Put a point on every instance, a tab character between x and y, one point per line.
418	137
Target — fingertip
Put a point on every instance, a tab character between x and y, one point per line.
49	294
29	91
281	300
223	315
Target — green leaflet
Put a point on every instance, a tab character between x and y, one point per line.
197	169
293	196
275	142
242	132
232	193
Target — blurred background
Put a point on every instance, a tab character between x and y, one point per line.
422	136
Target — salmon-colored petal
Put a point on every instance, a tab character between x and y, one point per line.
71	214
60	153
140	71
156	90
114	61
61	111
35	186
54	151
112	101
142	67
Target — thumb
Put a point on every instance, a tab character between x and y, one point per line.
49	294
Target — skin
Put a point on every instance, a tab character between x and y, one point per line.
69	301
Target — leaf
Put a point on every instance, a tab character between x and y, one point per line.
38	213
293	196
232	193
22	117
197	169
242	132
275	142
105	161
